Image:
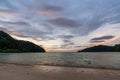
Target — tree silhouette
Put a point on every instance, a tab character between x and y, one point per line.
9	44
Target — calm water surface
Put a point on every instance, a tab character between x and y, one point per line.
102	60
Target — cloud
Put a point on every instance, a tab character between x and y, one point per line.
66	41
23	29
2	28
9	31
17	23
9	13
47	38
67	45
66	36
48	10
34	32
78	46
64	22
19	28
95	41
101	39
21	35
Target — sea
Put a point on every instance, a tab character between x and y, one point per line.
73	59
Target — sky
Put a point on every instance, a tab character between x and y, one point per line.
62	25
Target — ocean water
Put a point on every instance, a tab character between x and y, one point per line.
98	60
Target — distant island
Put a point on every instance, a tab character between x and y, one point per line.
10	45
102	48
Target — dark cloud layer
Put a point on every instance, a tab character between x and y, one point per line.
21	35
35	32
50	8
17	23
97	41
101	39
67	45
64	22
65	36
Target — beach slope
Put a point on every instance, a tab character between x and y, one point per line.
37	72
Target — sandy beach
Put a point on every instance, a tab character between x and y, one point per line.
38	72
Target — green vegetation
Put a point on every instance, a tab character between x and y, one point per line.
102	48
8	44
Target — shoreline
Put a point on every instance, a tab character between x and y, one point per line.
24	64
40	72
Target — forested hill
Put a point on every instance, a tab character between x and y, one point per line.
102	48
9	44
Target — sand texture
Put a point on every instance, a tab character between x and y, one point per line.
38	72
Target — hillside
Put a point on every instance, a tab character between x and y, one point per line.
9	44
102	48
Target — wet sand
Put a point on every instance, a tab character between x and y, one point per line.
38	72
